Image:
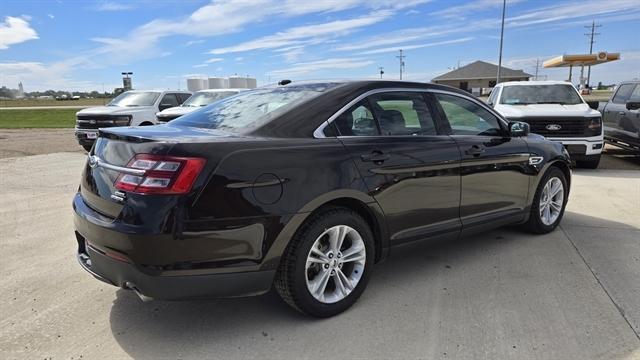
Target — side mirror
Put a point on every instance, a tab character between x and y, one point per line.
594	104
633	105
164	106
519	128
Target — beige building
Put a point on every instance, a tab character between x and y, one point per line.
479	75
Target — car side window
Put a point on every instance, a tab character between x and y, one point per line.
493	97
403	113
182	98
357	121
169	100
468	118
635	95
623	93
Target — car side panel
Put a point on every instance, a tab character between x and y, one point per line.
274	186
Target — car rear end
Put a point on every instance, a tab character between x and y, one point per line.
133	216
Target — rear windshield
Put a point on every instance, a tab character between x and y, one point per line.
540	94
206	98
251	109
135	99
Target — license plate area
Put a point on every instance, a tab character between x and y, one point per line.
92	135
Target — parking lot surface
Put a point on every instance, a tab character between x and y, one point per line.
570	294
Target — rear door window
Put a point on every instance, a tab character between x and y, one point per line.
357	121
403	113
169	100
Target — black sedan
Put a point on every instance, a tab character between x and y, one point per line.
304	187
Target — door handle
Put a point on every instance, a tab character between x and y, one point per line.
376	157
622	113
475	150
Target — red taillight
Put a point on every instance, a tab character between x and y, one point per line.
162	174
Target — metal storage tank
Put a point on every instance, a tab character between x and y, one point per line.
237	83
252	83
196	84
218	83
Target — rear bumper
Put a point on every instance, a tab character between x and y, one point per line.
102	251
127	276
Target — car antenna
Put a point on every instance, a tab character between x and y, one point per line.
284	82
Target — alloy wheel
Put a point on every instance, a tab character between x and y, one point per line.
335	264
551	201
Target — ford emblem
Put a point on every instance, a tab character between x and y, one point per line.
92	122
553	127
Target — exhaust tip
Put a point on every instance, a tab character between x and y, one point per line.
131	286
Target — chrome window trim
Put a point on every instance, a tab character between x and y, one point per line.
318	133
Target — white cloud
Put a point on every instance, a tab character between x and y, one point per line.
39	76
226	16
417	46
113	6
214	60
303	34
15	30
327	64
200	65
51	16
461	11
194	42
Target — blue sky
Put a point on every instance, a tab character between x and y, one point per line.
82	45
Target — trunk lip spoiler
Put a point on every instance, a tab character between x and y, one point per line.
95	161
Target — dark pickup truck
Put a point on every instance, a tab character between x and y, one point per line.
621	117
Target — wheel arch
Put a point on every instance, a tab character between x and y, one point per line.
564	167
355	200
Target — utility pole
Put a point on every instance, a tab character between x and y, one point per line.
381	71
504	8
591	36
537	67
401	57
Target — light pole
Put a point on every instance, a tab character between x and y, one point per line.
381	71
504	7
401	57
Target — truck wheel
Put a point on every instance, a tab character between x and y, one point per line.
87	147
327	265
548	203
591	162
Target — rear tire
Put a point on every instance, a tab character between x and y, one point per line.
320	279
87	147
546	209
591	162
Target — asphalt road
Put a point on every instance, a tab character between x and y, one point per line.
571	294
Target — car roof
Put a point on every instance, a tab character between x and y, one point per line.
219	90
534	82
159	90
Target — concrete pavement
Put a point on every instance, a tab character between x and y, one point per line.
571	294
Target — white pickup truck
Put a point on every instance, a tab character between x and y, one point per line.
555	110
197	100
131	108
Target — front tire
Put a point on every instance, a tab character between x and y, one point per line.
327	265
591	162
549	202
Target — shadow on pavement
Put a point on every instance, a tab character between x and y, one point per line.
216	328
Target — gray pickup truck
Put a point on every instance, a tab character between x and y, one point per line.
621	117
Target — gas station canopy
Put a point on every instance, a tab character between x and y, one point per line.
581	60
